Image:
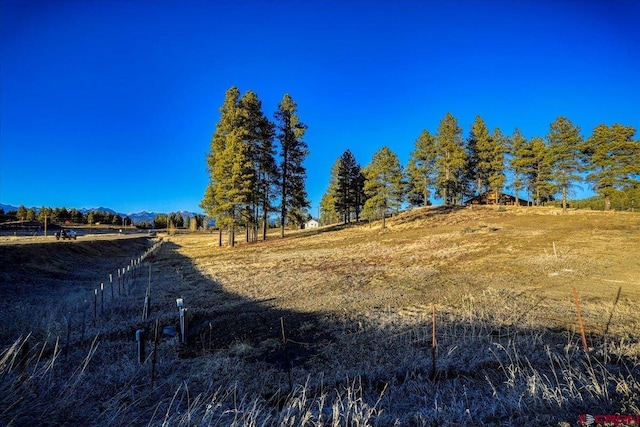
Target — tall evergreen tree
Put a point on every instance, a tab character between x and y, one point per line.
22	213
293	151
328	213
237	189
76	216
479	155
421	169
161	221
45	212
451	161
344	196
517	150
176	219
230	167
612	160
496	177
538	169
349	187
228	120
564	141
259	137
384	184
360	196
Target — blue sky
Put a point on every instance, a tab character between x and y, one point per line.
113	103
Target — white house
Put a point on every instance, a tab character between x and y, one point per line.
312	223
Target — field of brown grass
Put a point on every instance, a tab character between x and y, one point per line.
334	326
434	256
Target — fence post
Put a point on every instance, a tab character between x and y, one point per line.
156	337
434	343
140	345
615	302
183	320
147	306
286	353
580	322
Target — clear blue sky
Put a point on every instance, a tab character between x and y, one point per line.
113	103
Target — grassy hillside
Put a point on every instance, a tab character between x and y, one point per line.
432	256
334	326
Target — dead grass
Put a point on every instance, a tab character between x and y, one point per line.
356	306
428	254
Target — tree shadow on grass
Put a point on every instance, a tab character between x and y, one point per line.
251	358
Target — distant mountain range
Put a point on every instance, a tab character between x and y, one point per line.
136	217
7	208
100	209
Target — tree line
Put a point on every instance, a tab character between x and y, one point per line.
175	220
71	216
74	216
256	167
454	168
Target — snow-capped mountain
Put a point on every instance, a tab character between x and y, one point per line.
136	217
8	208
101	209
144	216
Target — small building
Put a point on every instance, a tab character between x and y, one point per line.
312	223
489	198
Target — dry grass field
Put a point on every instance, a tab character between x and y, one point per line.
332	327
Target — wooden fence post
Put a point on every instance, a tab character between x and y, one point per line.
156	337
140	345
434	343
286	354
580	322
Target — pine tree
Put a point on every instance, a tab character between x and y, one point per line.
517	150
421	169
360	196
328	213
160	221
45	212
230	166
349	187
22	213
564	141
237	190
343	196
496	177
210	202
612	157
293	151
538	170
383	185
479	155
451	160
259	137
